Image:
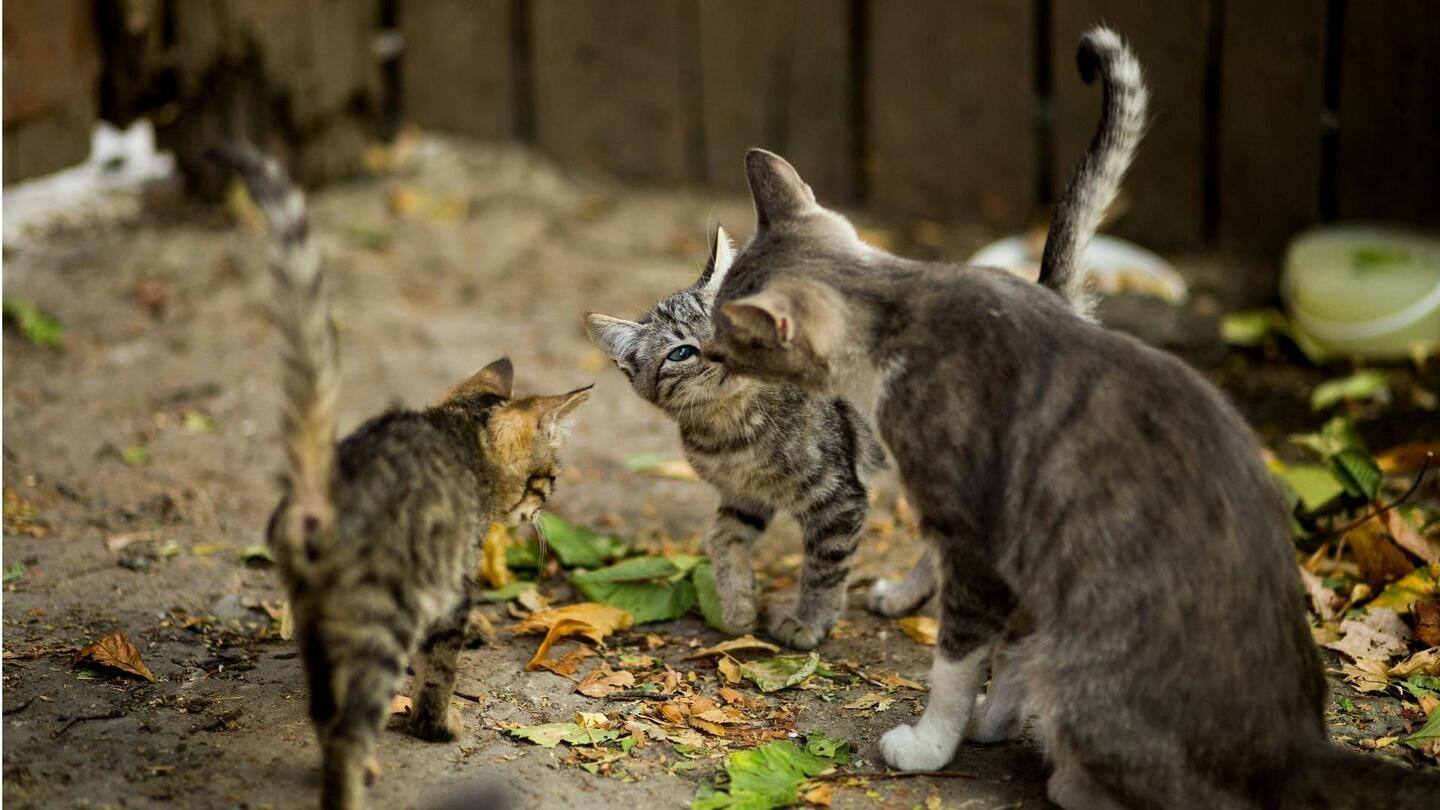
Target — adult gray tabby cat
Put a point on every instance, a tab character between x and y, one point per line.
377	538
771	446
1100	485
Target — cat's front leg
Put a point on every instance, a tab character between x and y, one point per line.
832	527
731	537
436	662
974	607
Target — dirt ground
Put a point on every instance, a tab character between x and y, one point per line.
461	255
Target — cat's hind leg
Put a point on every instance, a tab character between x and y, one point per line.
832	525
892	598
736	527
436	662
999	714
364	685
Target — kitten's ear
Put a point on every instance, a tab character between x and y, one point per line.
776	187
722	255
789	310
613	336
496	378
553	409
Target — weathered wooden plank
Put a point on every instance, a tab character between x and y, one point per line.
52	59
609	85
458	70
1271	107
951	109
790	92
1165	187
1389	157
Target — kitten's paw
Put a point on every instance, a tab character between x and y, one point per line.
433	729
907	748
885	598
798	634
479	632
739	617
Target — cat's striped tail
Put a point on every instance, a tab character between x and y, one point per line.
1096	180
311	374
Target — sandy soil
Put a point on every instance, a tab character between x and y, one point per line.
164	321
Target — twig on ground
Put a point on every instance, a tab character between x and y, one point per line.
22	707
113	714
835	777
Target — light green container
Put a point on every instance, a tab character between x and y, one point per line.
1364	291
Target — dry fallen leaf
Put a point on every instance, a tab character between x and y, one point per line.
819	795
729	670
1427	622
1409	538
897	681
565	665
1321	597
401	705
1380	633
1367	675
605	619
562	628
602	682
1425	662
116	652
1381	561
1406	458
734	645
492	556
871	701
920	628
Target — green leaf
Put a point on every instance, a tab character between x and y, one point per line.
708	597
635	569
508	592
1360	386
550	735
1429	731
579	547
14	572
258	553
821	746
1358	472
1314	485
36	326
197	422
780	672
136	455
1335	436
523	558
1422	685
771	775
647	587
368	236
1252	327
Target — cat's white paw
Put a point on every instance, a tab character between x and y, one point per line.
885	598
798	634
912	748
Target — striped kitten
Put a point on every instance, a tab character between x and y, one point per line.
377	538
1101	486
763	447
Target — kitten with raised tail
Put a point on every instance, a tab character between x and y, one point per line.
1099	487
377	537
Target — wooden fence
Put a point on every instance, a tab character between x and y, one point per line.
1268	115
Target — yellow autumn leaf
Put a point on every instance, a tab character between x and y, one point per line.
116	652
920	628
492	557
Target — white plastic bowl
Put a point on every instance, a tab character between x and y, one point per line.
1364	291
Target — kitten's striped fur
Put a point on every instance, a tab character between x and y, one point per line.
763	447
377	539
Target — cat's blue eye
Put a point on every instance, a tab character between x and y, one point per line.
681	353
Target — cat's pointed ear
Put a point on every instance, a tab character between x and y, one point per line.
767	316
722	255
776	188
553	409
788	311
614	336
497	379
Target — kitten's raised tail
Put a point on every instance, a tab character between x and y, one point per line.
1096	180
311	373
